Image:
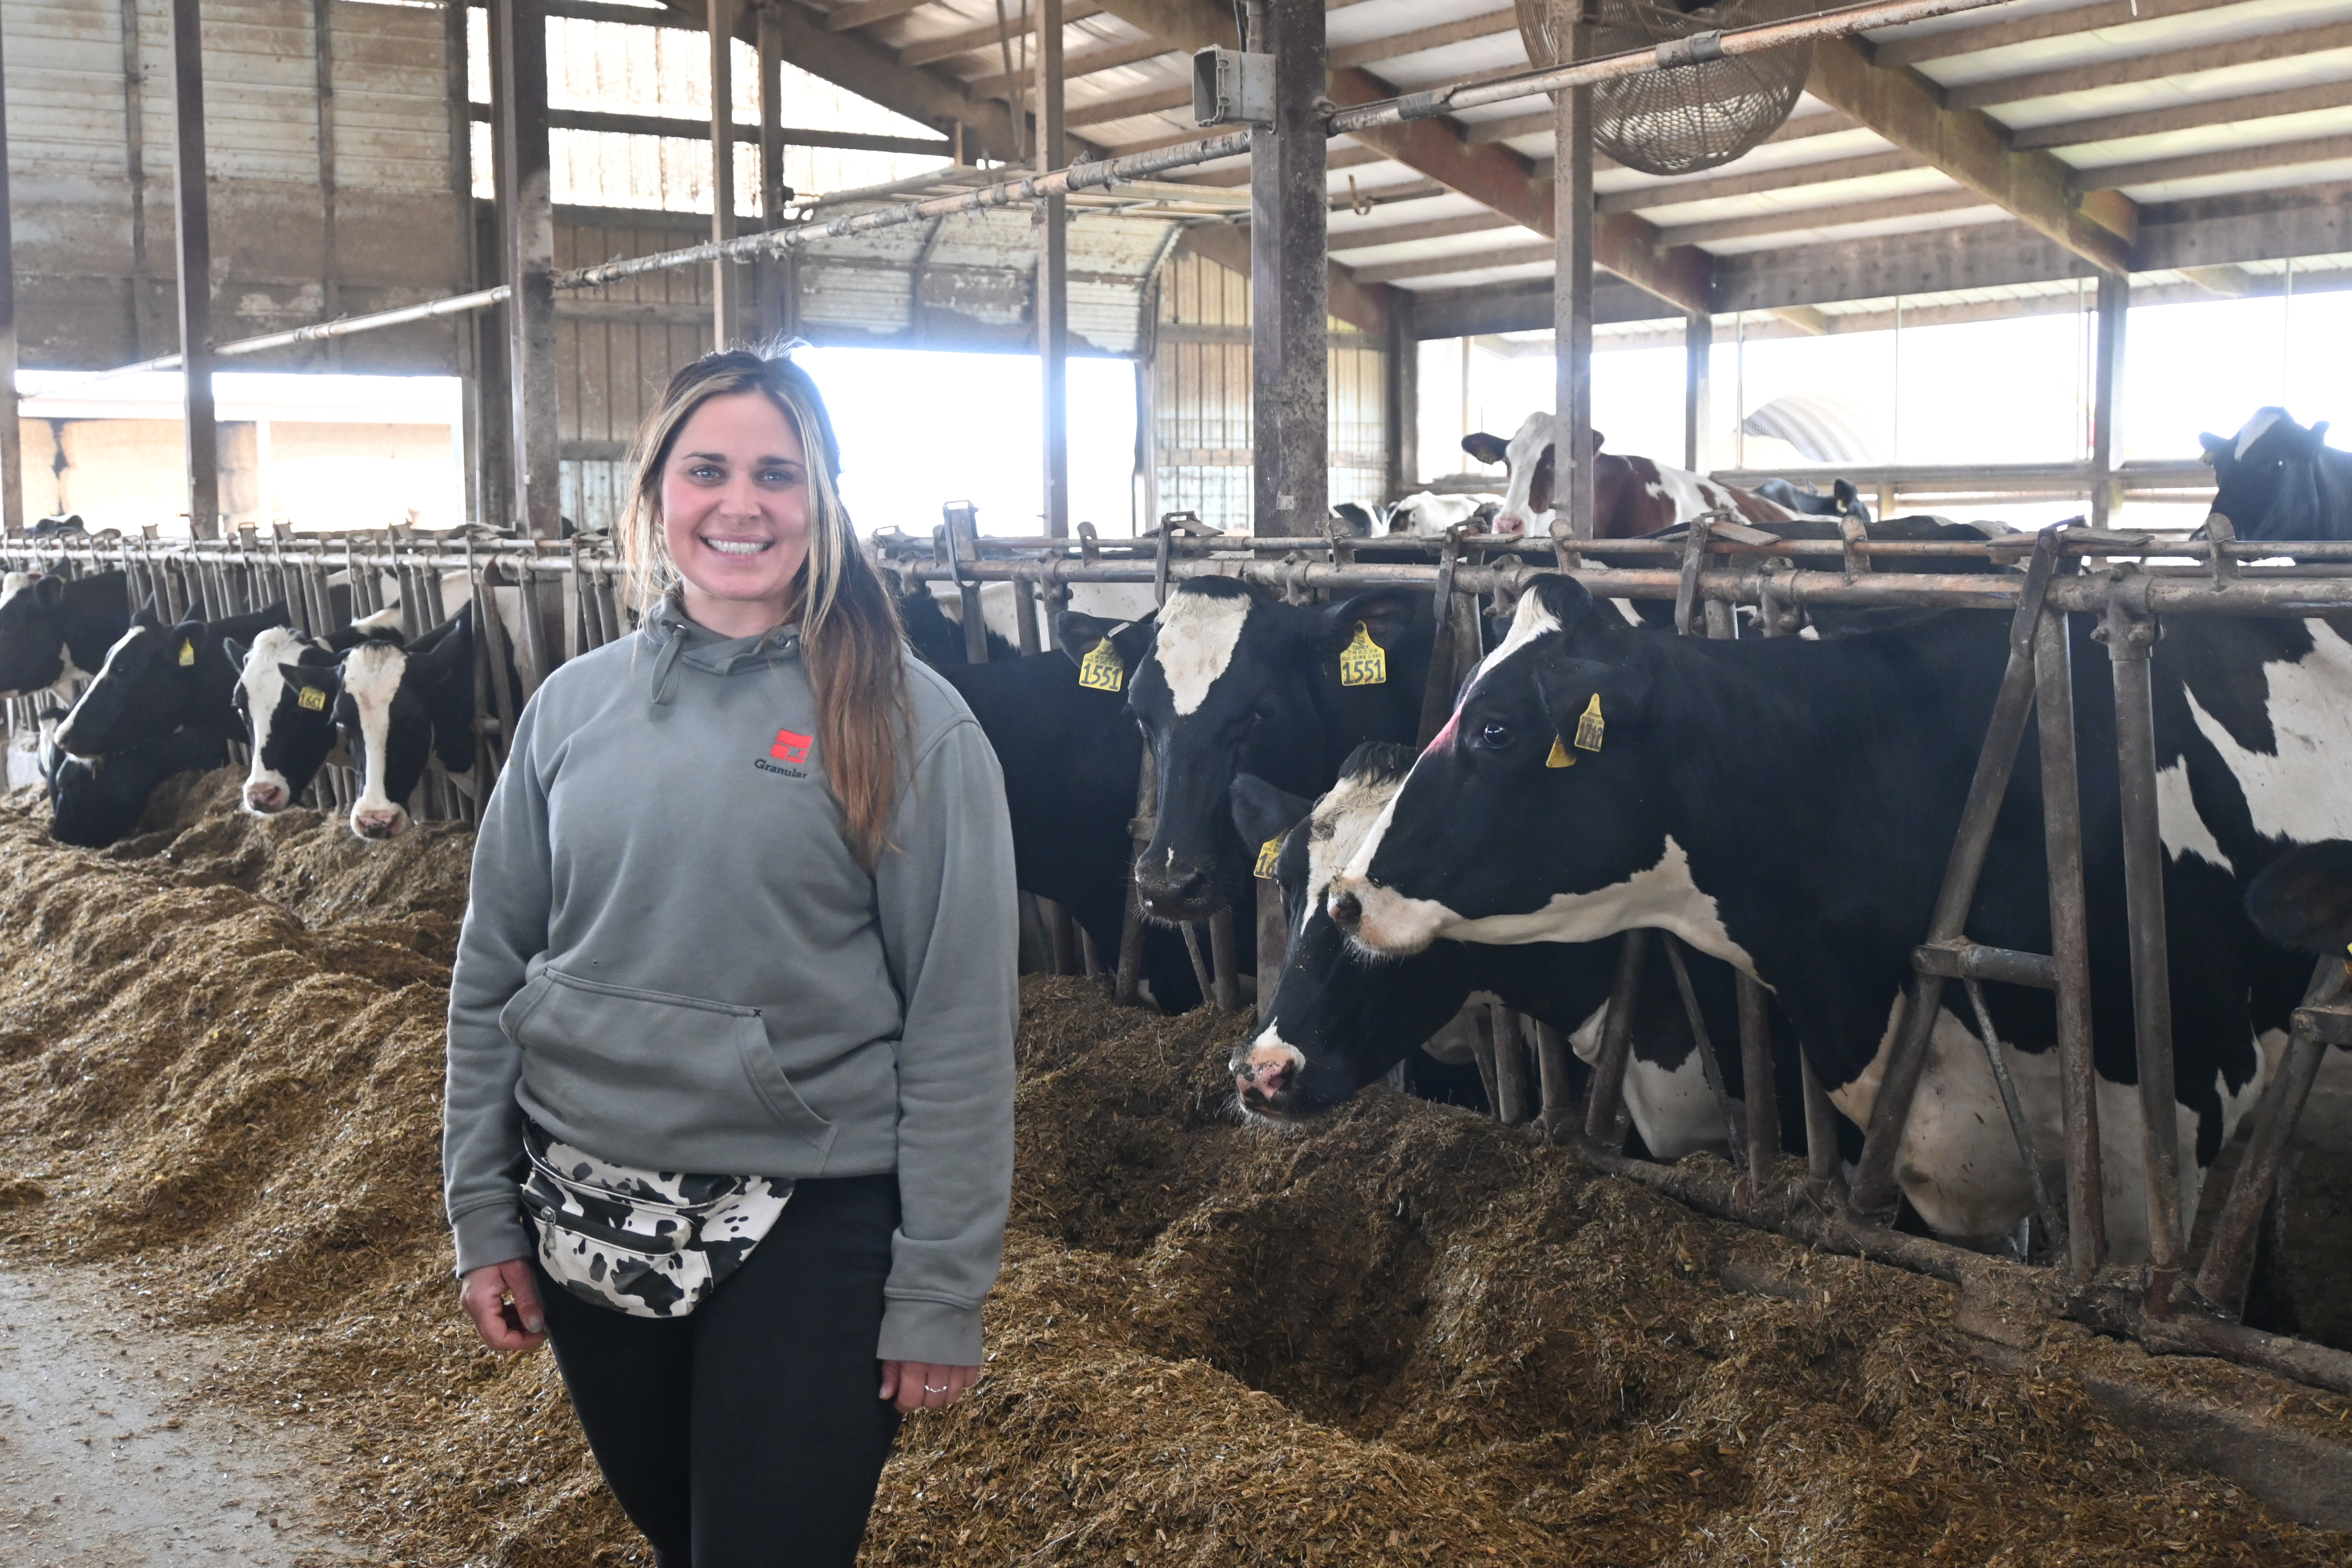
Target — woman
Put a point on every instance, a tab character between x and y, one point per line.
742	905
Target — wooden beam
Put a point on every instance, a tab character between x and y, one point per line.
1971	147
970	40
2228	161
1708	188
2183	117
1410	233
867	13
2082	17
1528	255
1373	51
700	130
1158	100
1127	54
192	205
2184	61
726	286
1835	215
1290	311
518	98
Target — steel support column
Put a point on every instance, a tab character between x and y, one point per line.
1698	354
1289	282
456	55
1403	389
725	288
1052	216
1572	293
519	110
2106	387
194	224
11	451
2070	952
772	279
322	40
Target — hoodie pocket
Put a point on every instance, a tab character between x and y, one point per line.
680	1073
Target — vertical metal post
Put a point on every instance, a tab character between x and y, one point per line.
12	454
771	277
1603	1112
1821	1125
1052	216
322	40
724	287
2069	953
1510	1065
1698	354
455	60
134	171
1551	1072
1289	286
2106	386
194	216
2130	632
1571	288
1762	1094
1403	410
527	199
1226	982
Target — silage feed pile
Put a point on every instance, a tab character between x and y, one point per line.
1409	1336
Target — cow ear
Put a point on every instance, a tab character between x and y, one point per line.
1597	440
49	592
1262	814
1385	614
1589	702
2311	440
1486	448
235	651
1078	634
2214	447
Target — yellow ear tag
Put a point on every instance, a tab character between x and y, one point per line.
312	698
1559	757
187	653
1268	854
1589	727
1100	670
1363	662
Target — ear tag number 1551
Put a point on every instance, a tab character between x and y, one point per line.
1101	670
1364	662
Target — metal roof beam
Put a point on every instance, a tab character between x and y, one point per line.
2184	61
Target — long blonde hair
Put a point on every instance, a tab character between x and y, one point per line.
849	627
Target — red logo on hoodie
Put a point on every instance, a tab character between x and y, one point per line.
790	748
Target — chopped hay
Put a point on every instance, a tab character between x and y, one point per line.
1408	1335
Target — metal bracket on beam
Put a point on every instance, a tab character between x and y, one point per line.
1231	86
1696	51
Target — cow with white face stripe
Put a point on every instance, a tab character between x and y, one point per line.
1338	1021
55	630
1238	681
1788	805
289	726
396	707
2276	480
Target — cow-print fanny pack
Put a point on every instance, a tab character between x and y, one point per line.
652	1244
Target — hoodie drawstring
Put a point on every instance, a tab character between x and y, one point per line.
665	667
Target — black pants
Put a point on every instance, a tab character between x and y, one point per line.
748	1434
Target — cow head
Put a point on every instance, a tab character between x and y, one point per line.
1337	1020
141	690
1531	485
385	714
2251	483
1235	682
286	691
1537	812
32	633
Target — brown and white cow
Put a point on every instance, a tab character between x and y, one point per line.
1632	496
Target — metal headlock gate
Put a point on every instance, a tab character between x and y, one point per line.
554	600
2130	582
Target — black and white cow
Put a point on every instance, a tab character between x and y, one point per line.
1237	681
98	801
1788	807
54	631
1338	1021
395	708
290	727
1070	755
1844	500
2275	480
158	678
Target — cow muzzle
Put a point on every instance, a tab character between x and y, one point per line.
1510	523
377	823
1266	1075
1174	893
262	796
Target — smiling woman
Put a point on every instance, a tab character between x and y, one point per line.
735	1000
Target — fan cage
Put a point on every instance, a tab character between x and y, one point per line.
1686	117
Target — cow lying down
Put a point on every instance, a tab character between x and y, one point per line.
1339	1019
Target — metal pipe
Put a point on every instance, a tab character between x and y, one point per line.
1874	1194
2229	1256
1709	1066
1510	1066
2129	634
1552	1075
1052	314
1762	1093
194	224
1821	1124
2070	951
2044	1209
1226	954
1603	1112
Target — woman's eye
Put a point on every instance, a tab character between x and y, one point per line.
1494	737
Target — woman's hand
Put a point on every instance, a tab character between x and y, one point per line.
503	1300
924	1386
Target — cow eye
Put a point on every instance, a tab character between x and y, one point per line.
1494	735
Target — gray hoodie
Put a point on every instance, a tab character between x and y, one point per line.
671	958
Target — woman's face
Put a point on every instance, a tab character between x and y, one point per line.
735	512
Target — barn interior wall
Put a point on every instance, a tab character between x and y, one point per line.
1200	400
95	270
